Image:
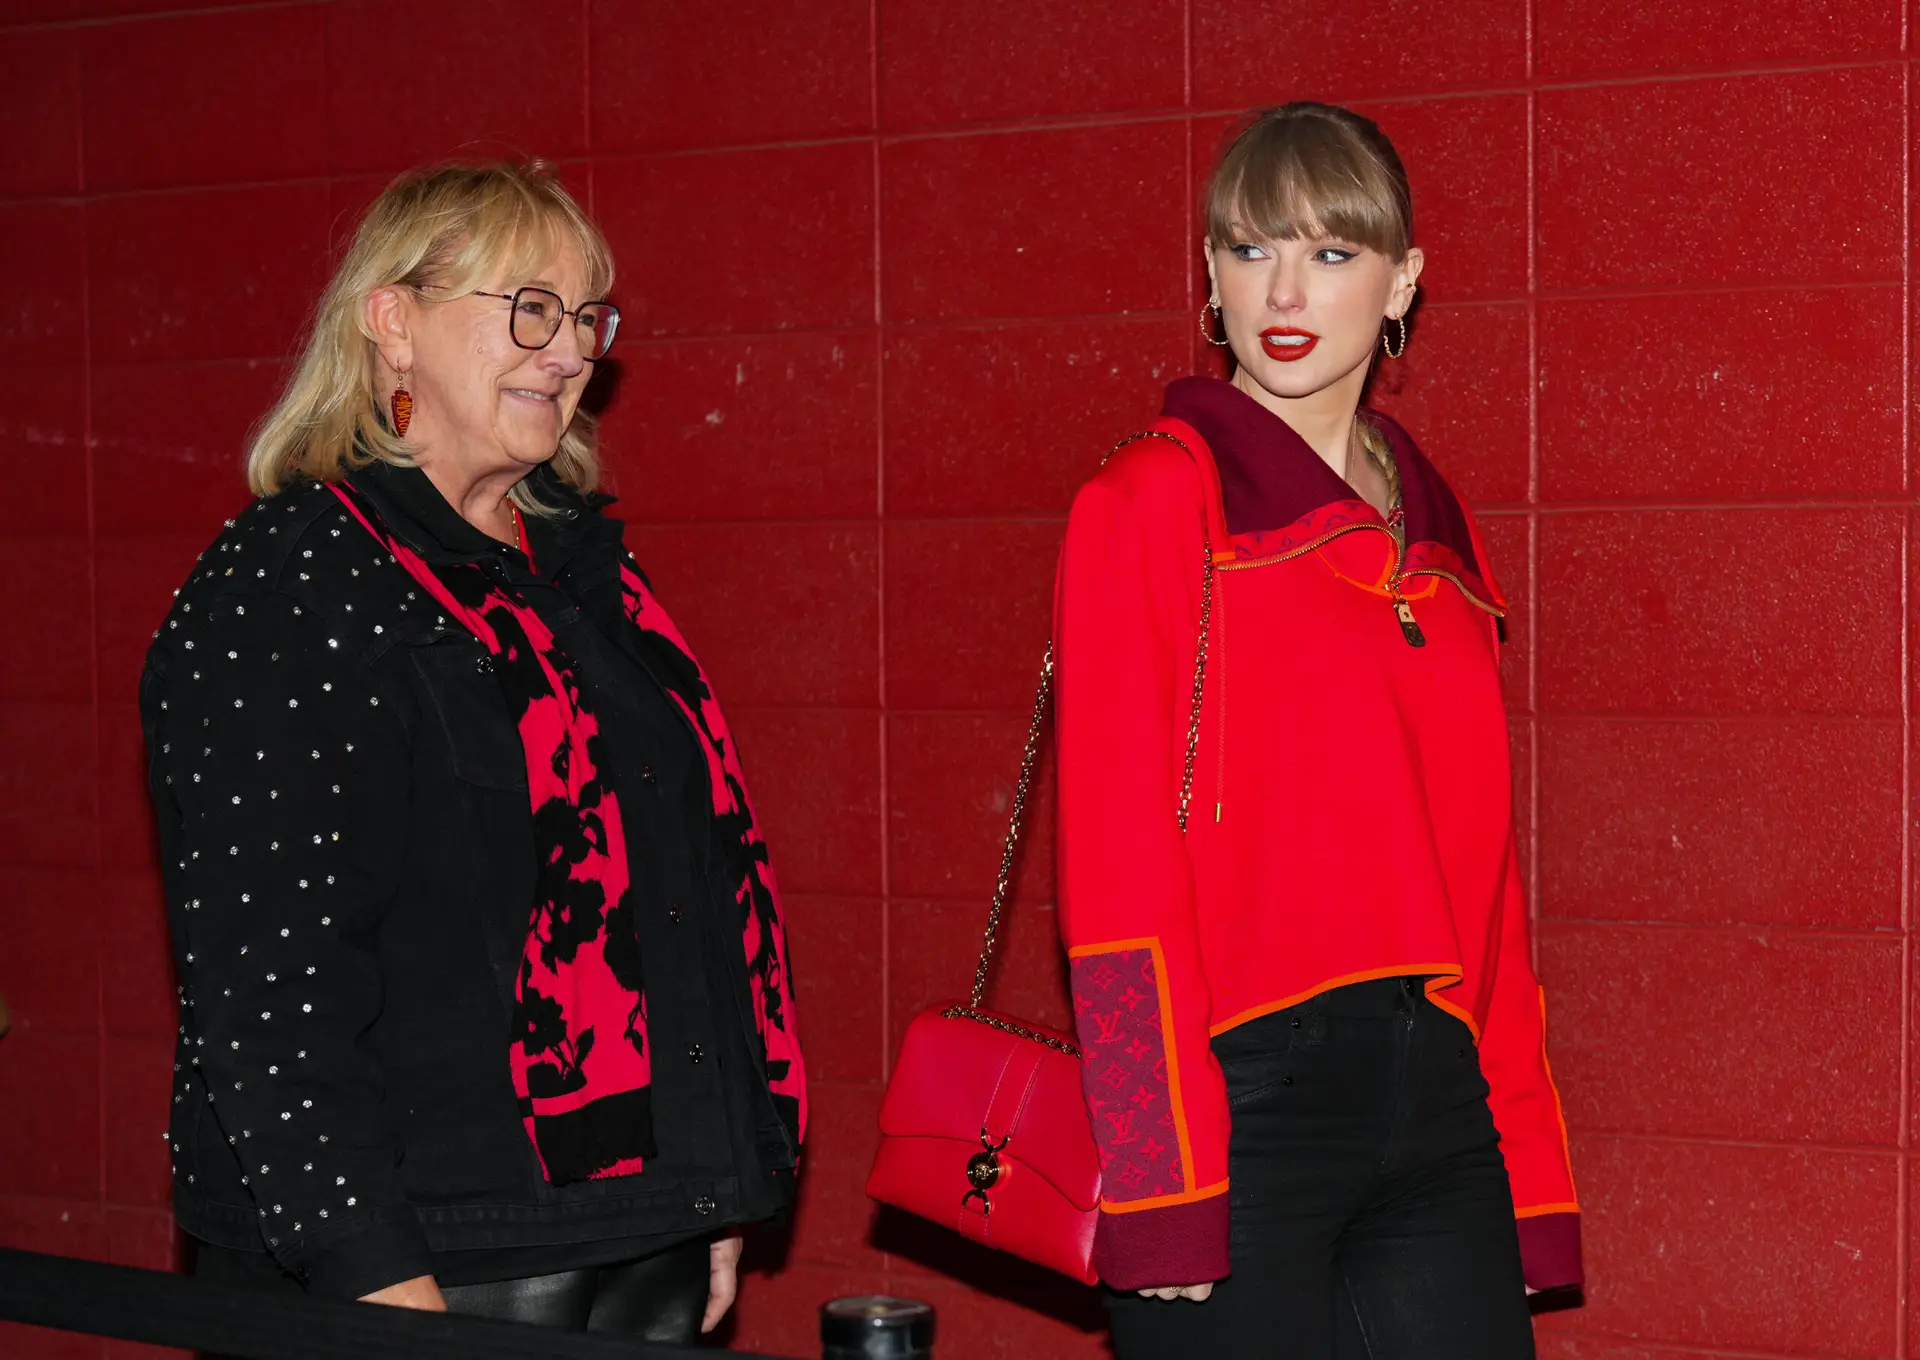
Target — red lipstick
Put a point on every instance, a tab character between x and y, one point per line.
1286	343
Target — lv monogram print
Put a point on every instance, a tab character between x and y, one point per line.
1118	1007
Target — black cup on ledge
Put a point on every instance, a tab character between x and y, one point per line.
876	1327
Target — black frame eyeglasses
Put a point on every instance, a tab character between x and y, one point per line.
535	317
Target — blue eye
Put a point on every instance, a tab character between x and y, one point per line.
1243	250
1332	255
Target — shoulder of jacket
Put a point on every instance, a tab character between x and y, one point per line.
293	547
251	549
1149	467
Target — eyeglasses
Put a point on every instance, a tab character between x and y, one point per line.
537	313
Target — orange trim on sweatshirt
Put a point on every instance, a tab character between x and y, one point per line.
1539	1209
1559	1114
1451	971
1134	1206
1460	1013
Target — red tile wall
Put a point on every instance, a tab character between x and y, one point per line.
898	272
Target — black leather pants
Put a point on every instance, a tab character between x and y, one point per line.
658	1298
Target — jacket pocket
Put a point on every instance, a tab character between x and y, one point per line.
466	702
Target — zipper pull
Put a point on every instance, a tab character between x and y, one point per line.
1409	626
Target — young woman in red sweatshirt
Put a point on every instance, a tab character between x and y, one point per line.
1298	936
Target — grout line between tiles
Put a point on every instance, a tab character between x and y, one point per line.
184	12
1491	510
586	93
885	791
1535	803
1903	1208
1639	1340
1878	1151
93	665
1793	930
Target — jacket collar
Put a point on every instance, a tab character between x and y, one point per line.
1271	480
417	514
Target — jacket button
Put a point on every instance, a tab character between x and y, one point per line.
696	1054
703	1206
484	665
647	776
675	914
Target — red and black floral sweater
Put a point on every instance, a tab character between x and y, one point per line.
1351	809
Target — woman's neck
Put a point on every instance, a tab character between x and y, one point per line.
480	498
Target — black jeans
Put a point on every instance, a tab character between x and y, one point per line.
1371	1215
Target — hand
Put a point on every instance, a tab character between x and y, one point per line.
422	1292
723	1278
1199	1293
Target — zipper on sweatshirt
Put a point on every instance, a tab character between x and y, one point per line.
1396	579
1396	594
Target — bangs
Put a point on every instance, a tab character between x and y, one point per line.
1304	178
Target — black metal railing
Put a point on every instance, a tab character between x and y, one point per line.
230	1320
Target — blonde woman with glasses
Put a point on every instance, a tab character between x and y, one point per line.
485	1003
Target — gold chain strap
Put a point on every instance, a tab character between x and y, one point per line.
1030	759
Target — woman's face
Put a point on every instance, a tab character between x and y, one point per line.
1303	317
480	397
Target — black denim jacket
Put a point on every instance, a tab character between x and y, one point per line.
349	864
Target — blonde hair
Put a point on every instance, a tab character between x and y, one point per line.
441	233
1306	170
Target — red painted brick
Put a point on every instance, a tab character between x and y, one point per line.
839	970
1711	405
210	98
1640	185
815	779
1720	611
1740	1248
1715	821
1011	419
952	779
777	427
957	245
969	610
756	71
1260	52
745	594
944	63
1831	1008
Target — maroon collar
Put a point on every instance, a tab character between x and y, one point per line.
1270	478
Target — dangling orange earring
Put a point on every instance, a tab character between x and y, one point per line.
402	403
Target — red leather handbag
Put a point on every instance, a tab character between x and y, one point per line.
984	1127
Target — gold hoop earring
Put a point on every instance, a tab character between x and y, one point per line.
1386	337
1211	307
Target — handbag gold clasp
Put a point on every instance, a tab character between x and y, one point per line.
984	1169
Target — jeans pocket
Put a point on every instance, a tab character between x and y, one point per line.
1256	1058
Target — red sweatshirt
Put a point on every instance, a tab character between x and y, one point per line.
1351	816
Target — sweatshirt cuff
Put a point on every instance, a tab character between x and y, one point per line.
386	1251
1550	1250
1183	1244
